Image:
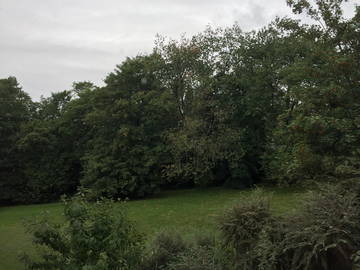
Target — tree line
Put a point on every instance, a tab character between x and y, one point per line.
223	107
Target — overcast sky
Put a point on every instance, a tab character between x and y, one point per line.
48	44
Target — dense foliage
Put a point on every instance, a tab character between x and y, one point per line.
94	236
15	110
243	226
223	107
322	233
126	151
317	135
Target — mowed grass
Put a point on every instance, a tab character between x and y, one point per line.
183	210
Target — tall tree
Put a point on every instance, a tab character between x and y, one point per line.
318	136
53	143
15	110
126	153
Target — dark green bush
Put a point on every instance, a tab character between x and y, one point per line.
350	185
267	252
94	236
164	248
204	239
197	258
170	251
325	232
241	227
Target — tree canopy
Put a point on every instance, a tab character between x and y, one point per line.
223	107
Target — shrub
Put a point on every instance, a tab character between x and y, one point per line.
325	232
350	185
94	236
241	227
164	248
170	251
197	258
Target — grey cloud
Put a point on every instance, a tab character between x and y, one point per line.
48	44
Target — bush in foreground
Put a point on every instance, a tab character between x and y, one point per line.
169	250
323	234
94	236
242	225
164	247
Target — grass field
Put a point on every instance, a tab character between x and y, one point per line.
184	210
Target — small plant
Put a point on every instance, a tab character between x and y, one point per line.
94	236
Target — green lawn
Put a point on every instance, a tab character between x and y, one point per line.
184	210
